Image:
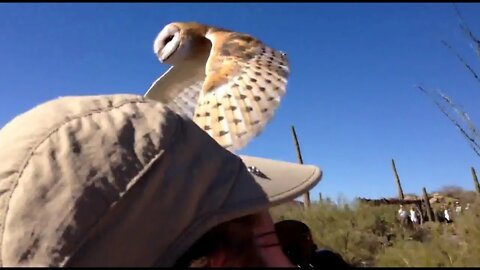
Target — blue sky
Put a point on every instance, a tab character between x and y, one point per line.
351	93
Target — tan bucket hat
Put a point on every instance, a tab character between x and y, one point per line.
120	180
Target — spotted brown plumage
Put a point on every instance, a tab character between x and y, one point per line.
229	83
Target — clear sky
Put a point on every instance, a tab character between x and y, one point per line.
351	93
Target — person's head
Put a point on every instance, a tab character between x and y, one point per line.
298	245
296	239
121	180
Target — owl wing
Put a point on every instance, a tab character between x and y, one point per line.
179	87
244	84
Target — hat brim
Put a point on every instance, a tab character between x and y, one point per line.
267	183
282	181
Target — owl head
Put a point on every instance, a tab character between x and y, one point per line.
179	41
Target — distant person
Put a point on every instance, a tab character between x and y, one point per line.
413	216
458	208
297	244
401	212
446	215
403	215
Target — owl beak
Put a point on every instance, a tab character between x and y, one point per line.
167	50
162	57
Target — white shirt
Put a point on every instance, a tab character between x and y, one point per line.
413	216
447	216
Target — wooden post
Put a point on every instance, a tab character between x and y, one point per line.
430	213
399	185
475	181
306	196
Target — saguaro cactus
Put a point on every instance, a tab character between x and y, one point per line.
430	213
306	196
475	181
399	185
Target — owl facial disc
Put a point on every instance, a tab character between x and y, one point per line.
167	42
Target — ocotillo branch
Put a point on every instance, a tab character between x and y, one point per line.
306	196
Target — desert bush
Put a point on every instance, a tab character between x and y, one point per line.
367	235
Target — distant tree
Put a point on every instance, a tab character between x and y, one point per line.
451	190
456	192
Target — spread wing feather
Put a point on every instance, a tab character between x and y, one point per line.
234	94
247	79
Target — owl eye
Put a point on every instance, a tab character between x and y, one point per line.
168	39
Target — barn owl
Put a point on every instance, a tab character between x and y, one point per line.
230	84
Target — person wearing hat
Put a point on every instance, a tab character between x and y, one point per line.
298	245
121	180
